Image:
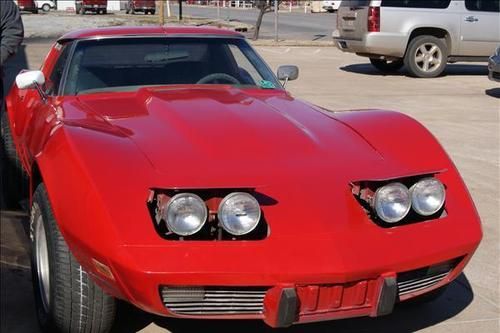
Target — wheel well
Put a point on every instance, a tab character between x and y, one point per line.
36	177
436	32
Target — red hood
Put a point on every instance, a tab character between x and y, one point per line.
226	132
221	137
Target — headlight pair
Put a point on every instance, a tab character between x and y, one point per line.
186	213
393	201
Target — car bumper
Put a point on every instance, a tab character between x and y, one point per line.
494	68
306	280
373	44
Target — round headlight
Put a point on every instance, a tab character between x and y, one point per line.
427	196
392	202
185	214
239	213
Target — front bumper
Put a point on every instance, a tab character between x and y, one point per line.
494	68
328	282
373	44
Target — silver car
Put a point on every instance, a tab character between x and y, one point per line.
423	35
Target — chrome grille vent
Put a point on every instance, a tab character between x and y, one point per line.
426	277
213	300
410	286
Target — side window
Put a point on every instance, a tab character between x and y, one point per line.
58	70
483	5
248	73
439	4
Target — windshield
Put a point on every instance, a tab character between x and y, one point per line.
127	64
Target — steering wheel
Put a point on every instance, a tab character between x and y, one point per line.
218	76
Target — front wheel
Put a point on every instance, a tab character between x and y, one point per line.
426	56
387	66
46	7
66	300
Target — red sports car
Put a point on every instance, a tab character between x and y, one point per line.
169	167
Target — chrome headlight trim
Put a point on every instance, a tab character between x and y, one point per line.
416	193
381	196
202	210
226	224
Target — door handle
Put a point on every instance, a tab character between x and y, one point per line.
471	19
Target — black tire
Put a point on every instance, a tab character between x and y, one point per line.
152	12
75	303
46	8
415	60
104	11
14	178
387	66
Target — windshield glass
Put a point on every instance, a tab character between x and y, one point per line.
127	64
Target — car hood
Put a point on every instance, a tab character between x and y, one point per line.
229	137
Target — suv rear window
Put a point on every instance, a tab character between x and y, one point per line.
483	5
441	4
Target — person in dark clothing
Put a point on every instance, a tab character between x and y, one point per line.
11	29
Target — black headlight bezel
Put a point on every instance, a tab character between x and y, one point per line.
212	229
364	192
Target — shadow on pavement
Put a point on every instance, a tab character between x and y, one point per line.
493	92
451	69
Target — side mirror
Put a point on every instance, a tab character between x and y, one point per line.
30	79
288	73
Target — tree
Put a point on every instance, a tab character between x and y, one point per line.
264	6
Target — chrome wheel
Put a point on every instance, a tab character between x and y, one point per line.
428	57
42	262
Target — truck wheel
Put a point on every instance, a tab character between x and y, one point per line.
152	12
14	178
426	56
104	11
387	66
46	7
66	300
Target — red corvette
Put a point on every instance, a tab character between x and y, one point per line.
169	167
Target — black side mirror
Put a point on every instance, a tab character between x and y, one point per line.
288	73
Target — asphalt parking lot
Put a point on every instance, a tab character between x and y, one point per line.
461	108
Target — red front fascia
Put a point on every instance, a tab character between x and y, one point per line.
319	234
354	250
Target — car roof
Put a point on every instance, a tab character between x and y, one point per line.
147	31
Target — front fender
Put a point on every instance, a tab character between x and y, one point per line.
87	174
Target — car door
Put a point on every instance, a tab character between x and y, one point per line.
480	28
35	114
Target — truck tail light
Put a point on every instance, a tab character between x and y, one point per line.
374	19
